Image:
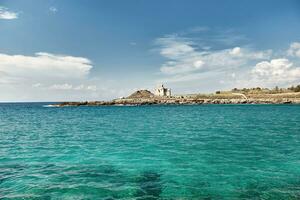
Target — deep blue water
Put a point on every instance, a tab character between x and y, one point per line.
150	152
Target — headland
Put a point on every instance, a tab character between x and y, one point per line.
162	96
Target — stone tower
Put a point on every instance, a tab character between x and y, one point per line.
161	91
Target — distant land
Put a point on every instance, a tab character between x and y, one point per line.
162	96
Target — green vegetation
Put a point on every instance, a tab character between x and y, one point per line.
295	89
259	90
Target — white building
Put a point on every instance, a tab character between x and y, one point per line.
162	91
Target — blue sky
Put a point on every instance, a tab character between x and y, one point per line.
88	50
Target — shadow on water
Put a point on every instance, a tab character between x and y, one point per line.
106	182
103	181
150	186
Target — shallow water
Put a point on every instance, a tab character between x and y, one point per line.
150	152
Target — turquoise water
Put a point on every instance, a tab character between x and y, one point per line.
150	152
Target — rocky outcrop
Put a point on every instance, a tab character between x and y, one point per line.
141	94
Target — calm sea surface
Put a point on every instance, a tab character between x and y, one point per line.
150	152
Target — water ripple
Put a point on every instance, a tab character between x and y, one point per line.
152	152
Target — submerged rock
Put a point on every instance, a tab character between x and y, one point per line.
150	186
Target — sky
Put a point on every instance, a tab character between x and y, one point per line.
75	50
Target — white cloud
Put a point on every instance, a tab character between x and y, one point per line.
184	56
91	87
84	87
53	9
6	14
37	85
79	87
44	66
67	86
294	49
236	51
173	47
276	71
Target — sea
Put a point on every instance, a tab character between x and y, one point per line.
209	152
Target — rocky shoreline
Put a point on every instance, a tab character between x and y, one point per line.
184	101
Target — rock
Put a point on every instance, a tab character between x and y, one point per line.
141	94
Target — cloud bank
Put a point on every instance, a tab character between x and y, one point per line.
44	66
53	77
184	56
187	60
